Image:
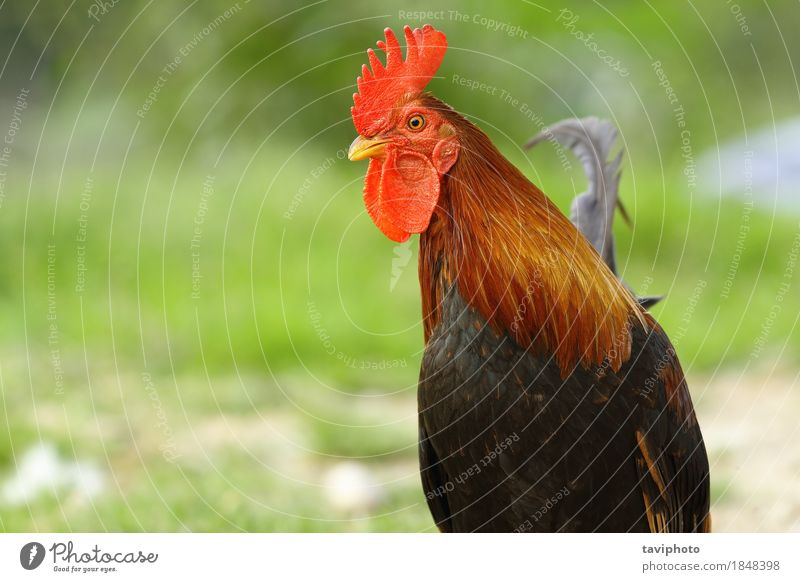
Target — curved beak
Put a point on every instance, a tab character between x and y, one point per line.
362	148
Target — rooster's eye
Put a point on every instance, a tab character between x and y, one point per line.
416	122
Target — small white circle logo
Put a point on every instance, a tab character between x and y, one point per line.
31	555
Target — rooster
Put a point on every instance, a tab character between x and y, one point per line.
549	398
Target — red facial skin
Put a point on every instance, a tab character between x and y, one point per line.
403	181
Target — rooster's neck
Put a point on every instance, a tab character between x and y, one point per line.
514	257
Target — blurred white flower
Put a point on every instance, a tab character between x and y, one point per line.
41	470
351	487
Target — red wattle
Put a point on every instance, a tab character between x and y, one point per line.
401	193
372	200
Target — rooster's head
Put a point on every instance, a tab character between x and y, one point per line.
410	143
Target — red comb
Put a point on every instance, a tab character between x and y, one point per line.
379	90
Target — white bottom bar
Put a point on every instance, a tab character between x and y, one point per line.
406	557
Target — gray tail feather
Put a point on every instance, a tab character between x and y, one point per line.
592	140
